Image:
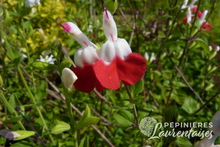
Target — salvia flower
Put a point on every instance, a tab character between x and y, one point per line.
84	59
117	62
9	135
204	23
68	78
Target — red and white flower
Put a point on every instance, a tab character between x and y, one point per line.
84	59
117	62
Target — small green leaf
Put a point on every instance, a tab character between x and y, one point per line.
171	114
86	114
60	127
202	44
22	143
87	121
65	63
127	115
123	122
190	105
43	65
111	5
139	86
24	134
12	53
13	120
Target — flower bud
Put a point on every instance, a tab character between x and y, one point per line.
109	26
68	78
11	135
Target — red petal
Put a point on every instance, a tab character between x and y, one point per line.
206	26
185	20
107	74
86	79
132	69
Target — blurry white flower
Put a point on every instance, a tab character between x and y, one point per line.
9	135
47	59
31	3
152	58
90	28
188	15
202	18
190	5
68	78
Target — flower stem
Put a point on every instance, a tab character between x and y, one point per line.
11	110
34	101
67	94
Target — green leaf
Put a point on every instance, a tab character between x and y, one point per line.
123	122
65	63
12	53
2	140
22	143
190	105
171	114
60	127
24	134
87	121
183	142
139	86
86	114
13	120
111	5
43	65
127	115
202	44
84	142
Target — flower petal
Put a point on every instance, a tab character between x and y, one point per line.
86	79
132	69
107	74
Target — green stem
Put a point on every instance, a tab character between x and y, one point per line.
34	101
72	122
11	110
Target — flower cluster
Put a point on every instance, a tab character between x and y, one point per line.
191	12
105	68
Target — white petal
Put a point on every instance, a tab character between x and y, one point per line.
78	57
189	15
77	34
68	78
152	58
122	48
192	3
89	55
107	52
11	135
146	56
202	19
109	26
